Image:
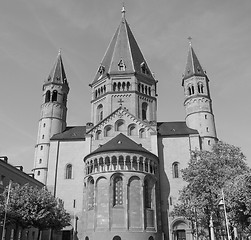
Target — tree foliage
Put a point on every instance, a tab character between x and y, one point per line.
33	207
238	202
207	173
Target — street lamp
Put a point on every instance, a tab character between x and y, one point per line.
222	206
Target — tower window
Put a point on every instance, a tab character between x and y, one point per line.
42	136
99	113
190	90
144	110
41	147
200	87
118	191
47	96
68	171
207	129
38	173
128	86
54	96
114	86
40	161
205	116
209	142
44	125
176	170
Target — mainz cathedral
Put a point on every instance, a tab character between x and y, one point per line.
119	175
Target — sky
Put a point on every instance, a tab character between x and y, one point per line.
32	32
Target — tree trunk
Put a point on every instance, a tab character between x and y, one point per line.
38	235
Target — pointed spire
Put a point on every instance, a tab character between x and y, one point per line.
57	74
123	55
193	67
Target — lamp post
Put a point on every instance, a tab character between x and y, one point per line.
222	204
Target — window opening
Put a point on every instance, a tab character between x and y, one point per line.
175	170
47	96
54	96
68	171
118	191
90	193
144	110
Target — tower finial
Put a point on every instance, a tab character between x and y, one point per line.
190	41
123	10
59	51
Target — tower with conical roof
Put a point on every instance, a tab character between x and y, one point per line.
53	116
198	103
123	79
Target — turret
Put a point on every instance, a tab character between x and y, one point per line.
198	103
123	79
53	116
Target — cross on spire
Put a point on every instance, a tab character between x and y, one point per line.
120	102
123	11
190	40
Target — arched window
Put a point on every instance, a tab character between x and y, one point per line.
144	110
119	125
47	96
132	131
176	170
114	86
116	238
54	96
147	194
98	135
117	191
119	86
99	113
90	191
139	87
128	86
200	87
68	171
192	89
108	131
142	133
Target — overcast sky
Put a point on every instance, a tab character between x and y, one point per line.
31	33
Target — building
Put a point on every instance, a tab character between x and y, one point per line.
15	174
119	175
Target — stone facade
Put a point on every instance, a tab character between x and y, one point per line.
119	175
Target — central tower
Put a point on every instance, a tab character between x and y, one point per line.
123	78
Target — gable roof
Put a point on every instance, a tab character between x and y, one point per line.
71	133
121	110
120	143
174	129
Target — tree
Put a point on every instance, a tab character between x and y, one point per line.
238	202
207	173
33	207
